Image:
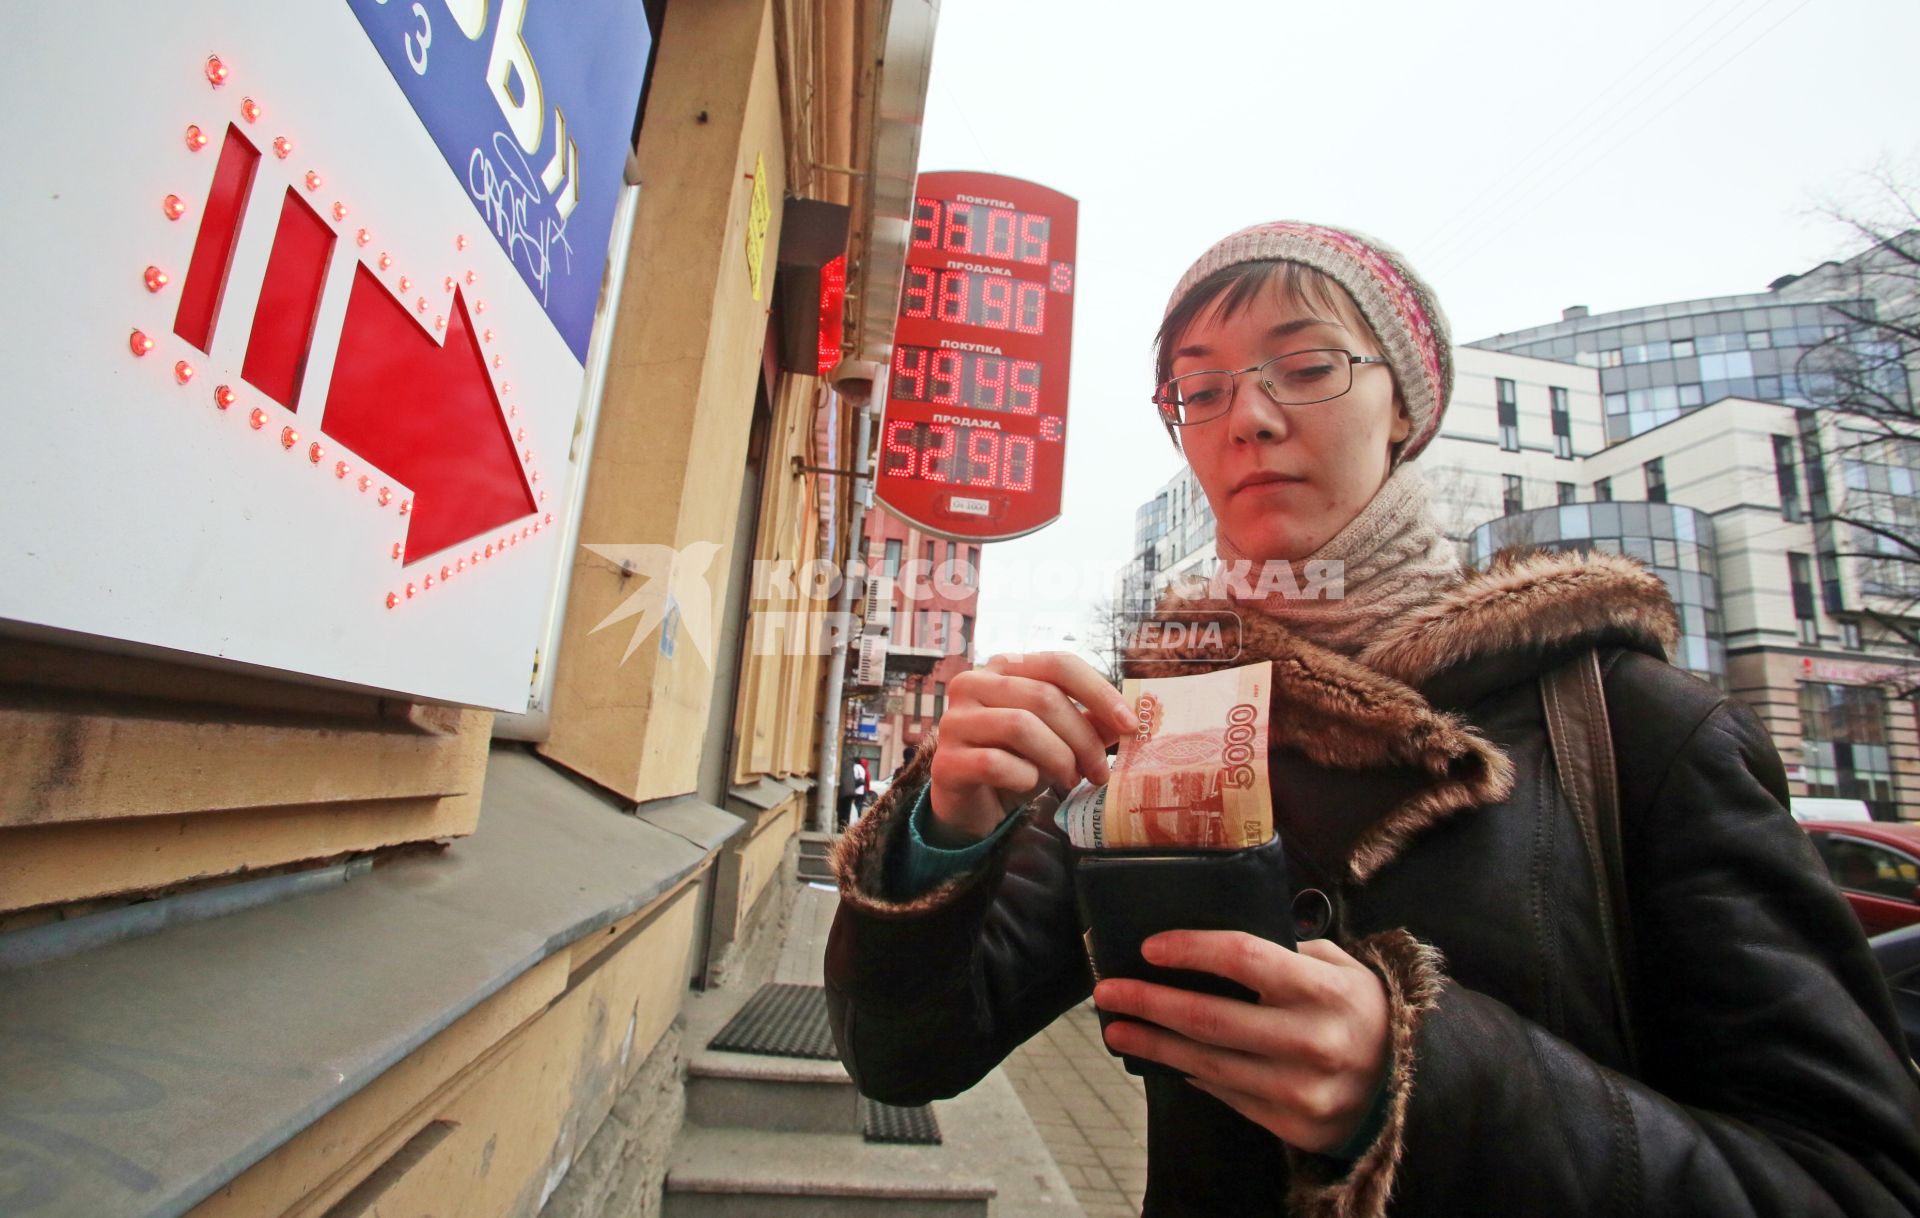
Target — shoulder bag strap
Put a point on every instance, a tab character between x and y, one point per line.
1582	742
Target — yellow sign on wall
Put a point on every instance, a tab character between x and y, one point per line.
758	218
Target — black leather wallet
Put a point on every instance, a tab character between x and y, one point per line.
1125	896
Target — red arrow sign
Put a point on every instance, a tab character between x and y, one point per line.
427	415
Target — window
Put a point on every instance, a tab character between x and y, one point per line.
1850	635
1800	578
953	552
1656	471
892	567
1511	504
1844	743
1682	348
947	640
1565	492
1865	867
1610	359
929	560
939	699
920	626
1509	410
966	634
1787	478
1562	424
973	565
1603	490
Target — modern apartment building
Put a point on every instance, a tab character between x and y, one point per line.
1684	435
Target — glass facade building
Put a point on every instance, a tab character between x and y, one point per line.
1660	362
1675	542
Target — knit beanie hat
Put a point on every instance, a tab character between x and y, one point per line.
1397	303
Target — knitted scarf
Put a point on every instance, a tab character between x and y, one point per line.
1394	557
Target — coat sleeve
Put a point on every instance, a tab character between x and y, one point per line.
1774	1076
927	994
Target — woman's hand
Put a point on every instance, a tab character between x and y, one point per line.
1303	1062
1012	729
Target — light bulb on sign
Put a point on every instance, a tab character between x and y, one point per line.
446	573
489	550
173	206
420	305
499	361
386	495
217	72
340	469
386	261
406	285
513	412
506	386
410	591
439	323
472	278
397	551
182	371
139	343
476	558
520	435
313	180
282	147
479	306
289	437
250	109
339	210
315	452
224	396
406	506
486	336
460	242
462	565
448	283
362	237
257	419
426	583
196	138
156	279
549	518
363	483
392	599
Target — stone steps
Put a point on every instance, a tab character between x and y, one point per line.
746	1173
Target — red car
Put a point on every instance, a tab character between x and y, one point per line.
1877	865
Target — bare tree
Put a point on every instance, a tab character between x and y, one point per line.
1864	374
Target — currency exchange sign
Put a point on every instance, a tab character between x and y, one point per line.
973	445
531	102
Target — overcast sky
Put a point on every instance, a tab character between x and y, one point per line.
1524	156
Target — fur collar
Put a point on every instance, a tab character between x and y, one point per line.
1374	711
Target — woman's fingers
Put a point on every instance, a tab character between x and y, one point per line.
1207	1018
1026	734
1276	974
1048	705
1074	677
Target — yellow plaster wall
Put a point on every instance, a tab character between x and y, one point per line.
670	455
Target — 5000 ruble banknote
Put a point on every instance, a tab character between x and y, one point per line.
1192	774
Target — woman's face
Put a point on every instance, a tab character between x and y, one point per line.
1283	480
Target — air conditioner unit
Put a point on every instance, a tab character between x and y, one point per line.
879	606
870	670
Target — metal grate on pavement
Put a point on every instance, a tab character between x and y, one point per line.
886	1123
780	1020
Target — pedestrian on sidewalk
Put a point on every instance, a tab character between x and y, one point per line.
853	790
1509	1016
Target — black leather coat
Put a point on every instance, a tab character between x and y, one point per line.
1420	786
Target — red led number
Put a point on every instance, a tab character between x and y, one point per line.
946	378
936	464
956	235
1026	386
953	296
926	223
892	446
910	373
919	293
983	450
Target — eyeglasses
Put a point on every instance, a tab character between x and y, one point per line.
1299	378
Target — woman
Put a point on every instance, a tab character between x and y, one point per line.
1452	1047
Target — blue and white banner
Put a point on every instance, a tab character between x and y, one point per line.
532	103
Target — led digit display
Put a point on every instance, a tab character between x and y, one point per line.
974	441
975	380
980	231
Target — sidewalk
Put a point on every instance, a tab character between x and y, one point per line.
1090	1112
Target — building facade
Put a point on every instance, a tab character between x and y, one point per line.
347	947
925	603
